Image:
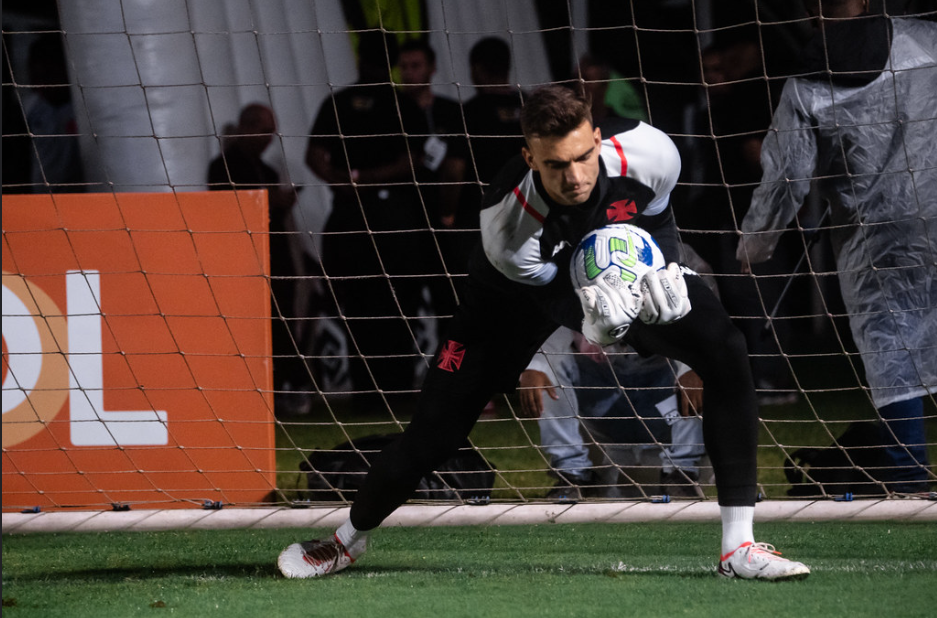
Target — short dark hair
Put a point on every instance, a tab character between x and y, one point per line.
554	111
492	54
420	45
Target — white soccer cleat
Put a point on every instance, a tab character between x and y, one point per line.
314	558
760	561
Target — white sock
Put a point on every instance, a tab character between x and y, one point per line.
736	526
355	541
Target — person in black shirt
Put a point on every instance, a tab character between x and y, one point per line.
240	167
443	166
366	142
492	121
493	115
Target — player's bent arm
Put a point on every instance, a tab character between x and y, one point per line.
397	170
511	240
531	387
690	388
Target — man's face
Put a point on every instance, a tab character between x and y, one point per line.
414	68
568	165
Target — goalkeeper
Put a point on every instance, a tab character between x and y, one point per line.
571	179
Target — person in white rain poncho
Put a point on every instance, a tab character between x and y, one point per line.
862	120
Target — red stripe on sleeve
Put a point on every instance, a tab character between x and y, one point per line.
530	210
621	155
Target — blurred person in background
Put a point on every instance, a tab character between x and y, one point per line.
493	122
861	119
596	78
240	167
619	402
50	120
441	171
366	141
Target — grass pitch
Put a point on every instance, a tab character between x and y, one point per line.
859	569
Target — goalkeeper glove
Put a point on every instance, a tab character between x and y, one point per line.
665	296
609	306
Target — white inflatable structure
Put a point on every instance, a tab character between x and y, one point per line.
157	81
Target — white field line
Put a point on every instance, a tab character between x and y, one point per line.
462	515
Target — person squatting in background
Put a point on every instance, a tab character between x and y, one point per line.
240	167
622	403
618	402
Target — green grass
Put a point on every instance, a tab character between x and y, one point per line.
859	569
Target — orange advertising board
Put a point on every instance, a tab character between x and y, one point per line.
136	350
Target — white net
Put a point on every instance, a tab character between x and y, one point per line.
373	210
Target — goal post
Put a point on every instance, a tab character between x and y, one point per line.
167	344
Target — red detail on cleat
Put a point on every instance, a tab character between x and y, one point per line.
742	546
342	545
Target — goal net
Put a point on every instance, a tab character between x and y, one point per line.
222	288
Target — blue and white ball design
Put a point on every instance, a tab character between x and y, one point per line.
619	254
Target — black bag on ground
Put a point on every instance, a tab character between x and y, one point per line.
857	468
337	474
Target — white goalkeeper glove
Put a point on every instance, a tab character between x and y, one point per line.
610	306
665	296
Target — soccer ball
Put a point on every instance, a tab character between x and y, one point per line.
617	256
608	270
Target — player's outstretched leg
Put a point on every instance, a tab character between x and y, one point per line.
323	557
760	561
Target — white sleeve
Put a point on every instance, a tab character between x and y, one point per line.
511	231
648	155
680	369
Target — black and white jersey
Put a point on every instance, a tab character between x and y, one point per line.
528	238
